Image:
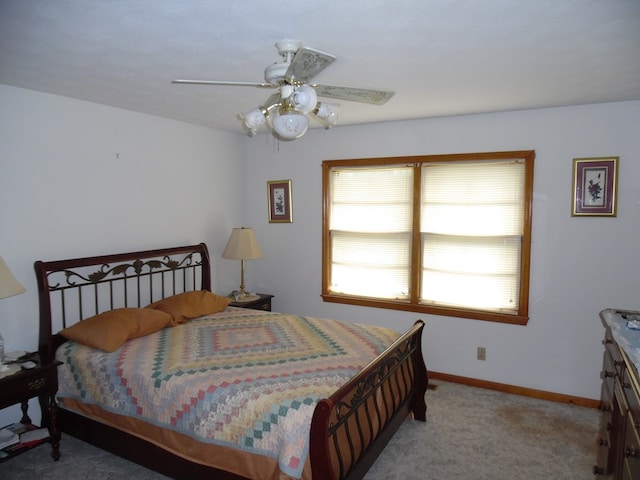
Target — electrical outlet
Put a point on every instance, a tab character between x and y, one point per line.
482	353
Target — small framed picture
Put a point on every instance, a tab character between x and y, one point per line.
595	183
279	192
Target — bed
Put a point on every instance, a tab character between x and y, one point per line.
347	400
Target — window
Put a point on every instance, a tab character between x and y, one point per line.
445	234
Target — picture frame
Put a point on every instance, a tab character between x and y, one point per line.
595	184
279	200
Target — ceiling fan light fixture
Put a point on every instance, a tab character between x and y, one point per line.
286	111
304	99
289	125
328	112
253	119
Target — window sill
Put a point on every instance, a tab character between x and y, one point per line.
428	309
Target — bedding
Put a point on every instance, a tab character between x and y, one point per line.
239	379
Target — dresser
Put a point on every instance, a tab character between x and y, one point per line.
619	434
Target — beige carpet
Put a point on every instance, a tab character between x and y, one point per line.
478	434
470	434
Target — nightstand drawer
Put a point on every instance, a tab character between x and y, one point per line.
27	384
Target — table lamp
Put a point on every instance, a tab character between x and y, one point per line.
9	286
242	245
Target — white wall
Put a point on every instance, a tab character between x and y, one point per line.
579	265
84	179
81	179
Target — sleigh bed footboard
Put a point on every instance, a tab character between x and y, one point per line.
350	428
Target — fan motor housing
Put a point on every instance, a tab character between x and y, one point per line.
276	72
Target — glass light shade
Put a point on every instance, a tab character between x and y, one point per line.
328	112
253	119
290	126
304	99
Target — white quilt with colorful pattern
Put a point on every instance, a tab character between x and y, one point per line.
241	378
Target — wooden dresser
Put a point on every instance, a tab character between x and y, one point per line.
619	435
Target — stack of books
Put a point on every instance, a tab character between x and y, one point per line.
17	437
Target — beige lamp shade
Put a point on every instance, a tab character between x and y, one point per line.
242	245
9	286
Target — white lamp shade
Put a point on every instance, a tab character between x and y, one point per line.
9	286
242	245
290	126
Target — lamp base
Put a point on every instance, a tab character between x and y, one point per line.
245	296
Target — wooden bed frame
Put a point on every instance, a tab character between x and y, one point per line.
349	429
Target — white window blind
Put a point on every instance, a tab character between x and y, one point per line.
471	233
444	234
371	220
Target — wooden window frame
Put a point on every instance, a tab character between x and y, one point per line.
412	305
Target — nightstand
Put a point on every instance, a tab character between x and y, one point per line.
263	302
42	382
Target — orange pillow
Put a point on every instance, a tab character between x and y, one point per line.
109	330
188	305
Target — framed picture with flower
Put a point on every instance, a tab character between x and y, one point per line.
595	182
279	192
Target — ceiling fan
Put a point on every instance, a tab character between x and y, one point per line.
286	111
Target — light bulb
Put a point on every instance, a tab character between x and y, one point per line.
304	99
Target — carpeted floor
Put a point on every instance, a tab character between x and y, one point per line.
470	434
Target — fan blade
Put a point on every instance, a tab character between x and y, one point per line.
375	97
306	64
233	84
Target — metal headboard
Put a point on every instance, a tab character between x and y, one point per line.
71	290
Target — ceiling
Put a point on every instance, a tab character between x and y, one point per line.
441	57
